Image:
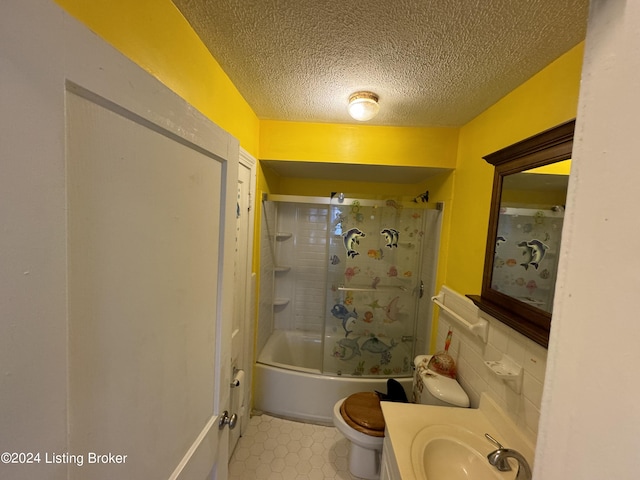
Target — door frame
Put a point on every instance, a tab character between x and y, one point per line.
249	162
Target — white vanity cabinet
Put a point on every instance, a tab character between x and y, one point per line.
389	466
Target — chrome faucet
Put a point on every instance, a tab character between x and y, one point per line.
500	459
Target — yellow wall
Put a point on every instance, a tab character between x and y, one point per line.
317	142
547	99
155	35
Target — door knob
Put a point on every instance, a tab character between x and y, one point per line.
225	419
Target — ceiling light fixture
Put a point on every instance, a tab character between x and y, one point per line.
363	106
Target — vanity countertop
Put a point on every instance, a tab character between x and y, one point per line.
404	421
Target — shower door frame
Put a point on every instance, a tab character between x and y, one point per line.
420	311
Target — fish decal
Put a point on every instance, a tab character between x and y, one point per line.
351	344
351	272
355	211
348	300
352	238
376	254
391	311
374	345
391	236
535	251
393	271
334	260
375	304
368	316
348	318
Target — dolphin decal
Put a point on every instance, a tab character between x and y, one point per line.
391	236
352	238
535	251
374	345
422	198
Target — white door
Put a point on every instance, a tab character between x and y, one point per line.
142	190
242	329
144	273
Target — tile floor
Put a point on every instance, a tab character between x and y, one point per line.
277	449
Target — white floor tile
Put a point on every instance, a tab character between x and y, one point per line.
277	449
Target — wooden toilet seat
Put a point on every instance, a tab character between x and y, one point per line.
363	413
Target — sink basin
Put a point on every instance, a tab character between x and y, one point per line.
430	442
451	452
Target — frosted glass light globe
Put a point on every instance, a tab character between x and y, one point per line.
363	106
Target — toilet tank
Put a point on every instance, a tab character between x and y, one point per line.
431	388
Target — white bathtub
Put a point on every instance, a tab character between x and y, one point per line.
289	382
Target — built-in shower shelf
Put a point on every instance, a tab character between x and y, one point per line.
283	235
282	268
280	302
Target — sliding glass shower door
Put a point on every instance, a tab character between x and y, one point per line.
374	282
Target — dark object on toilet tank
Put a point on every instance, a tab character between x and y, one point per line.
395	392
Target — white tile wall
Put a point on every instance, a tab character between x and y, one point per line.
470	352
305	251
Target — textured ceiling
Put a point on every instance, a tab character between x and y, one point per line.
432	62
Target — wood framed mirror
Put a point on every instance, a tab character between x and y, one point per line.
525	229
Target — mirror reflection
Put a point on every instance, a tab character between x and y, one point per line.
529	234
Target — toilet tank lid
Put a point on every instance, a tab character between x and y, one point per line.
444	388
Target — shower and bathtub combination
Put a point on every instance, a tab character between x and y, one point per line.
344	305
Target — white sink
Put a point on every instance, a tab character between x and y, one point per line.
426	442
452	452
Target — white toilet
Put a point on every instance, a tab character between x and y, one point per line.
359	417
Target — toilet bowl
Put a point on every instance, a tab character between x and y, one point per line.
359	416
366	448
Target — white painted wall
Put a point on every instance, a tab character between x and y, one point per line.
33	309
590	417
